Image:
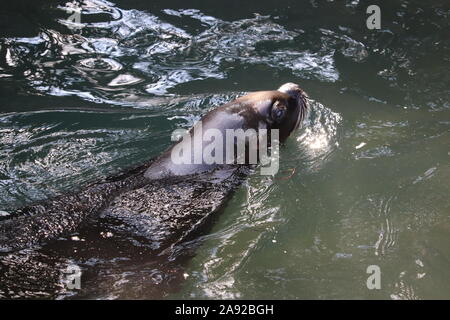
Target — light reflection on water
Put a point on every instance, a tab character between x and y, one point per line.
164	55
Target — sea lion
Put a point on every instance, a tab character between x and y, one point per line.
161	201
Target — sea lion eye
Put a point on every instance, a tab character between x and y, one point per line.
278	111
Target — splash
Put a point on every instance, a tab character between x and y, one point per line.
319	137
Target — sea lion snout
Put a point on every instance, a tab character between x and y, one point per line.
297	108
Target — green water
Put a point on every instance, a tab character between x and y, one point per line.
364	182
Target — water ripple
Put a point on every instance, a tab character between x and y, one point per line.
156	47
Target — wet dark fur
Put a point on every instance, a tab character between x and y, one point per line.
163	212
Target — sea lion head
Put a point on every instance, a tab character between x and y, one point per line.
298	105
287	109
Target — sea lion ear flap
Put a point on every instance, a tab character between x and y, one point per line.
278	111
